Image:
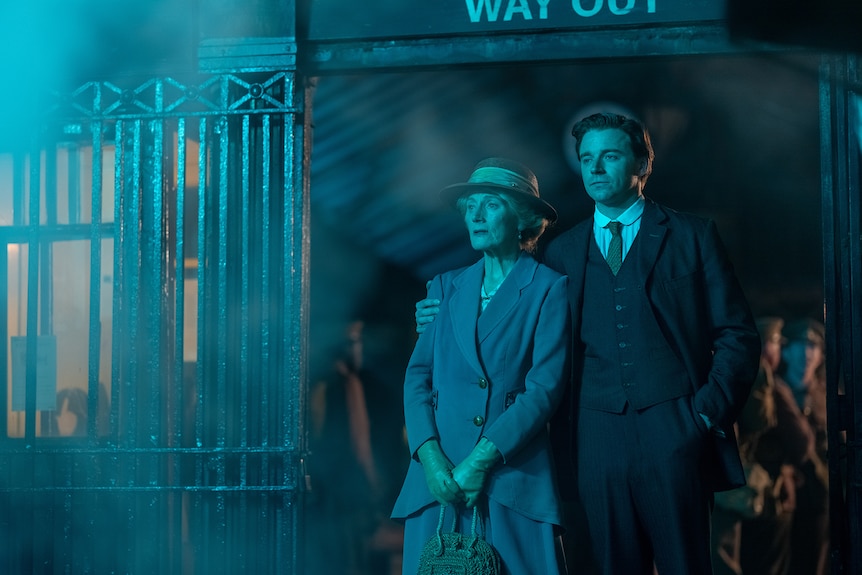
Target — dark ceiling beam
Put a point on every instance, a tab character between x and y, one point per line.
318	58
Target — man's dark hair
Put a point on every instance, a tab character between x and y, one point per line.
636	131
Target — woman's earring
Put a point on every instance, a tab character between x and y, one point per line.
520	236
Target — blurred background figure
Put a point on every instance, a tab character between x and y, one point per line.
754	500
805	372
71	414
775	441
356	452
804	359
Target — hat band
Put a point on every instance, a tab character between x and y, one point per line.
502	177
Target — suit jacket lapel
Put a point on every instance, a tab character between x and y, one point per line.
651	237
464	309
507	296
582	238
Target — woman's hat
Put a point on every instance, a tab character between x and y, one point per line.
502	176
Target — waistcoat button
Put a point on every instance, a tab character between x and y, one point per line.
478	421
483	383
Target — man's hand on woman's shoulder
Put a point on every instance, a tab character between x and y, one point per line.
426	310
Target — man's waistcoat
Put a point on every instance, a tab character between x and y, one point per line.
627	359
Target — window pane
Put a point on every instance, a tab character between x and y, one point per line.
64	340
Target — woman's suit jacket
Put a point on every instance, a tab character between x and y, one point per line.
701	308
500	374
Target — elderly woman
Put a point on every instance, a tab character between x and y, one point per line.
485	378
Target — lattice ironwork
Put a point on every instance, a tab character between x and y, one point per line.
160	97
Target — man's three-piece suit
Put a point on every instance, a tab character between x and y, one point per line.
670	337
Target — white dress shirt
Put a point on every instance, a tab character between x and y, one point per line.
631	221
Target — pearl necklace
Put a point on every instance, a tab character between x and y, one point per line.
487	296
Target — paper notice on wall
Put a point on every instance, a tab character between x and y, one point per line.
46	373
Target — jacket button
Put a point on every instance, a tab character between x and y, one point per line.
483	383
478	421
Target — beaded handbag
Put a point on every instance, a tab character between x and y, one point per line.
455	553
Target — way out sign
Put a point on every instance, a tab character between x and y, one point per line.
379	19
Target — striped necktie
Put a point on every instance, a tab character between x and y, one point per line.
615	248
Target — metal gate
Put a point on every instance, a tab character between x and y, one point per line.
154	267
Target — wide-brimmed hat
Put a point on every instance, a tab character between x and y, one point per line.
502	176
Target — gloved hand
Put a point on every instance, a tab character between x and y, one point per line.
438	473
472	473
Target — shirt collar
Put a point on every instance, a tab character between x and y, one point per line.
627	218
